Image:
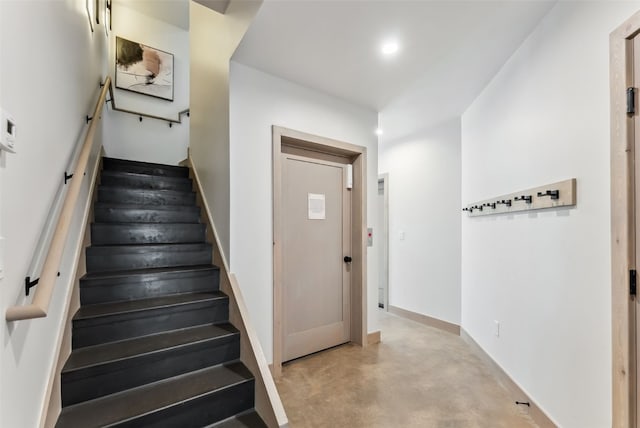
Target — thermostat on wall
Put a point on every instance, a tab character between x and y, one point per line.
7	132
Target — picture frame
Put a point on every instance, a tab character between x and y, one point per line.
143	69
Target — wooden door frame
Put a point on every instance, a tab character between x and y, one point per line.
624	376
358	156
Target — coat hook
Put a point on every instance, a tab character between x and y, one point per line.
555	194
506	202
527	199
492	205
140	118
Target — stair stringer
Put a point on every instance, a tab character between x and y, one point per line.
52	404
267	400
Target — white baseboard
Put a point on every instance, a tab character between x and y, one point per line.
373	338
426	320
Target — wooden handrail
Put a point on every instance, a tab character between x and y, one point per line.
112	100
42	297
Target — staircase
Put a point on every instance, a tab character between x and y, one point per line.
152	344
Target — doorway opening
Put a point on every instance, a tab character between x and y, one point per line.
304	166
383	253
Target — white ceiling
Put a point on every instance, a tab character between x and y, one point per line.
333	45
174	12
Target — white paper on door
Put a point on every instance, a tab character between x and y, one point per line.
317	209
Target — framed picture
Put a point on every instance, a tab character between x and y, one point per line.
143	69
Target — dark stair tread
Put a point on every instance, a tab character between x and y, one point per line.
105	353
154	396
143	176
134	180
125	233
123	307
146	207
134	275
154	214
158	192
130	224
121	249
145	225
248	419
107	258
114	164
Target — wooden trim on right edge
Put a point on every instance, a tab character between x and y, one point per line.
536	413
426	320
622	225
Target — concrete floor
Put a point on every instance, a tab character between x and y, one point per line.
417	377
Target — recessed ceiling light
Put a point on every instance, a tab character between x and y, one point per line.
390	47
379	131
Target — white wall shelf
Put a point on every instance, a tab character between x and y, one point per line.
560	194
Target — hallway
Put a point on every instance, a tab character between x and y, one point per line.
417	377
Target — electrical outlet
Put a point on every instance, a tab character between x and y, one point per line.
401	235
496	328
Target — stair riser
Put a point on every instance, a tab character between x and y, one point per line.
201	411
146	287
125	215
152	183
162	170
145	197
98	261
112	234
94	331
87	384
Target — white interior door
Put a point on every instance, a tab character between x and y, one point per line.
316	247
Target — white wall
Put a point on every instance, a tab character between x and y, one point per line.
546	276
424	204
258	101
214	38
150	140
49	85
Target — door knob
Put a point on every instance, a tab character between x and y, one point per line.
347	259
